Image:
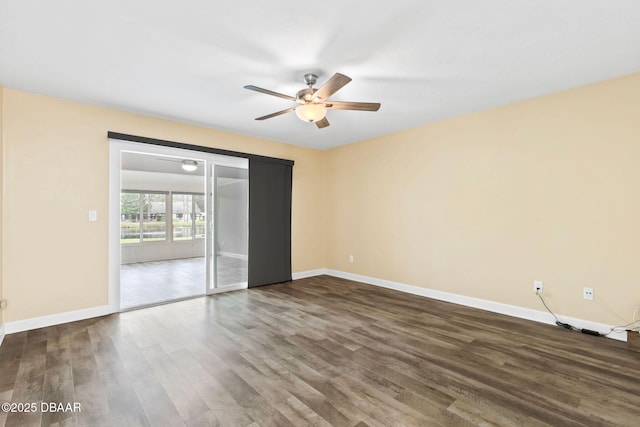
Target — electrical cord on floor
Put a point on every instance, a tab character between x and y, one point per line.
558	322
633	326
567	325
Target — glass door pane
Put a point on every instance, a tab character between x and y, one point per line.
231	225
162	258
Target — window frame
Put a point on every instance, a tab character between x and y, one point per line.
193	216
169	221
141	218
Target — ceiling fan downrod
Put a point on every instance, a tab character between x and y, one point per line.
310	79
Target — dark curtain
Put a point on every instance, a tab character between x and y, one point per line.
269	222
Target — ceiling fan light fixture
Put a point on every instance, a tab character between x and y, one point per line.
189	165
311	112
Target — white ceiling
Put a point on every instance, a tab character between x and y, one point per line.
424	60
133	161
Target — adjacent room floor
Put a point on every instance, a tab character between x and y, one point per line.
148	283
318	351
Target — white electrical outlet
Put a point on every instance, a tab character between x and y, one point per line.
351	258
537	286
93	216
587	293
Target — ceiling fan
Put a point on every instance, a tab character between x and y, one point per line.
314	103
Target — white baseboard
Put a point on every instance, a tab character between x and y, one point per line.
56	319
309	273
496	307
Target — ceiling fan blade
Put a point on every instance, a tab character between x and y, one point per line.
360	106
270	92
268	116
332	85
322	123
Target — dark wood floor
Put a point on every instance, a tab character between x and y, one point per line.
319	351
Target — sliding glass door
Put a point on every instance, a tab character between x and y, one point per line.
217	215
162	222
182	231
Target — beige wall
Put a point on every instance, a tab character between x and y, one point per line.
56	170
484	204
479	205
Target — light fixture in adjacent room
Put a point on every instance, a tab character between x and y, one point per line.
311	112
189	165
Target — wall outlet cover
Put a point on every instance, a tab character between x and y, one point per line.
537	286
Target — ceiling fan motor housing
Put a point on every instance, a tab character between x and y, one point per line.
306	94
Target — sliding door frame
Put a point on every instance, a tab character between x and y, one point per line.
116	136
116	148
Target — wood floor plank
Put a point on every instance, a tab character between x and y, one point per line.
124	404
58	386
300	414
247	397
183	396
223	409
157	405
319	351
